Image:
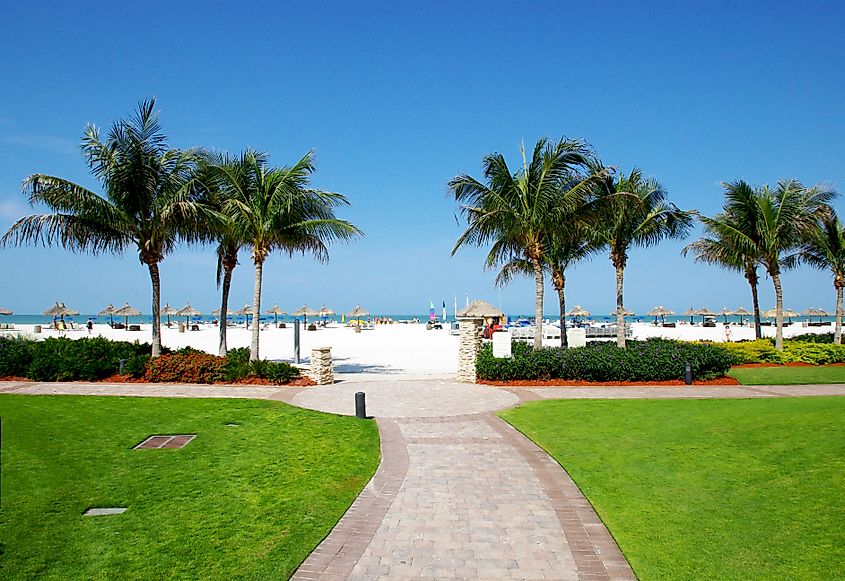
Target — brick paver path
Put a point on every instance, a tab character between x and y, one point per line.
459	493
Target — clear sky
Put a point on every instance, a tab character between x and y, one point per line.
398	97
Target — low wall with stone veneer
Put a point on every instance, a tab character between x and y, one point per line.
470	345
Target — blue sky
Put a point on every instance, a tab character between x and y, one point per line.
397	98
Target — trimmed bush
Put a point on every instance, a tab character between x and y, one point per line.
813	353
186	367
813	338
651	360
759	351
15	355
87	359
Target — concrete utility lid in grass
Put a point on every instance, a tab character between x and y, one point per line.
103	511
165	441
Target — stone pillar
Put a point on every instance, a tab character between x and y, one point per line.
322	371
470	337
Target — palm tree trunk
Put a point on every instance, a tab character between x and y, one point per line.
256	309
755	304
538	307
224	308
156	308
778	312
837	329
620	308
564	343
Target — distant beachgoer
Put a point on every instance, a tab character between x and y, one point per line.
90	326
728	338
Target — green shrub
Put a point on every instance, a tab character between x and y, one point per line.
813	338
277	372
813	353
87	359
651	360
237	364
15	355
759	351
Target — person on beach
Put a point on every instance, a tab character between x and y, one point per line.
90	326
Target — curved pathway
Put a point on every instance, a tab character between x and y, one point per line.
459	493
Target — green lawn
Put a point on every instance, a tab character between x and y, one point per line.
708	489
789	375
247	502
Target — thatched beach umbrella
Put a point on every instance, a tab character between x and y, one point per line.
60	310
188	311
127	311
109	310
480	310
275	311
305	311
5	311
578	311
660	312
705	312
741	312
691	312
357	312
246	310
168	310
725	312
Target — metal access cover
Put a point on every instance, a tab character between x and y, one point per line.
168	441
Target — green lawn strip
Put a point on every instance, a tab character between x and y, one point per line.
247	502
789	375
708	489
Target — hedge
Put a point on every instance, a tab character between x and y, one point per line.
94	358
763	351
651	360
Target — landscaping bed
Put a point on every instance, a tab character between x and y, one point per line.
580	383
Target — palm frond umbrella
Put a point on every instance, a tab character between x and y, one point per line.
742	312
215	313
770	314
60	310
578	311
305	311
725	312
246	310
168	310
660	312
705	312
357	312
127	311
275	311
188	311
691	312
109	310
326	311
5	311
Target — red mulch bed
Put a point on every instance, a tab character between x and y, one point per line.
14	378
579	383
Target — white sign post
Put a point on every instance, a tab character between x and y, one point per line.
502	344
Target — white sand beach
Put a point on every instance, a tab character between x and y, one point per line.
407	349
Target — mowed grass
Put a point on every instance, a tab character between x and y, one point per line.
789	375
243	502
708	489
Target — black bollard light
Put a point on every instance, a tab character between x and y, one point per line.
688	373
296	340
360	406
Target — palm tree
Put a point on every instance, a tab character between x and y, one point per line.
273	208
634	212
824	248
739	214
516	211
150	200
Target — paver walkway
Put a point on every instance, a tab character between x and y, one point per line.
459	493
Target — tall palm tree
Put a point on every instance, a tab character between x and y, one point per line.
273	208
739	214
824	248
514	211
634	212
150	200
